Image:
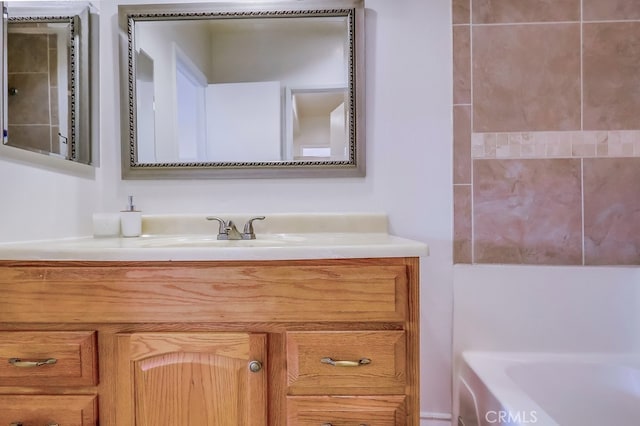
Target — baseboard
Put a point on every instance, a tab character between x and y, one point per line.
428	418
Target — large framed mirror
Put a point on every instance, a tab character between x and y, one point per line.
46	78
232	90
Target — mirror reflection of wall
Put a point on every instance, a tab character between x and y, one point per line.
145	107
244	121
220	88
319	128
38	86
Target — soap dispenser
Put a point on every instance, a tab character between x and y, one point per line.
130	220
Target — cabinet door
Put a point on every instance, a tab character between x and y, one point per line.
181	379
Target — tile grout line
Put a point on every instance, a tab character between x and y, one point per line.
471	186
528	24
579	21
582	207
581	66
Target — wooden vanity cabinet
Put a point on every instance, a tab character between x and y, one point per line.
255	343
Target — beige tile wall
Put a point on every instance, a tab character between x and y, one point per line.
32	71
546	131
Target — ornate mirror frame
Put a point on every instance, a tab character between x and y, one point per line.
354	166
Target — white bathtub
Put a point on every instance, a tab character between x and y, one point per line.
502	388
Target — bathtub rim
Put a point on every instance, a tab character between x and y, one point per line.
488	371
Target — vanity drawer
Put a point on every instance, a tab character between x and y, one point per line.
48	358
346	362
155	292
48	410
346	411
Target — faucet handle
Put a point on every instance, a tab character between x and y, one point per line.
248	227
223	225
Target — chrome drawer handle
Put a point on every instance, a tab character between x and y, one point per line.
331	361
17	362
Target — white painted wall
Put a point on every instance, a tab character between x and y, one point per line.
41	197
546	308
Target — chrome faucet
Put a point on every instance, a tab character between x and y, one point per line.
228	230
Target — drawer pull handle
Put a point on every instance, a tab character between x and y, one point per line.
331	424
331	361
20	424
17	362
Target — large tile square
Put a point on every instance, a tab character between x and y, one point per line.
611	76
462	144
526	78
36	137
461	65
27	53
30	105
607	10
511	11
527	211
612	211
460	11
462	224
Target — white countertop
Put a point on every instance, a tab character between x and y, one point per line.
191	237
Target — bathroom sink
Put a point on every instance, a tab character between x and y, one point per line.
192	238
195	241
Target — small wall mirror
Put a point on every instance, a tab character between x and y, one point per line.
232	90
46	78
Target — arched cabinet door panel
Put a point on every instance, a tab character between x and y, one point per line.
176	378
